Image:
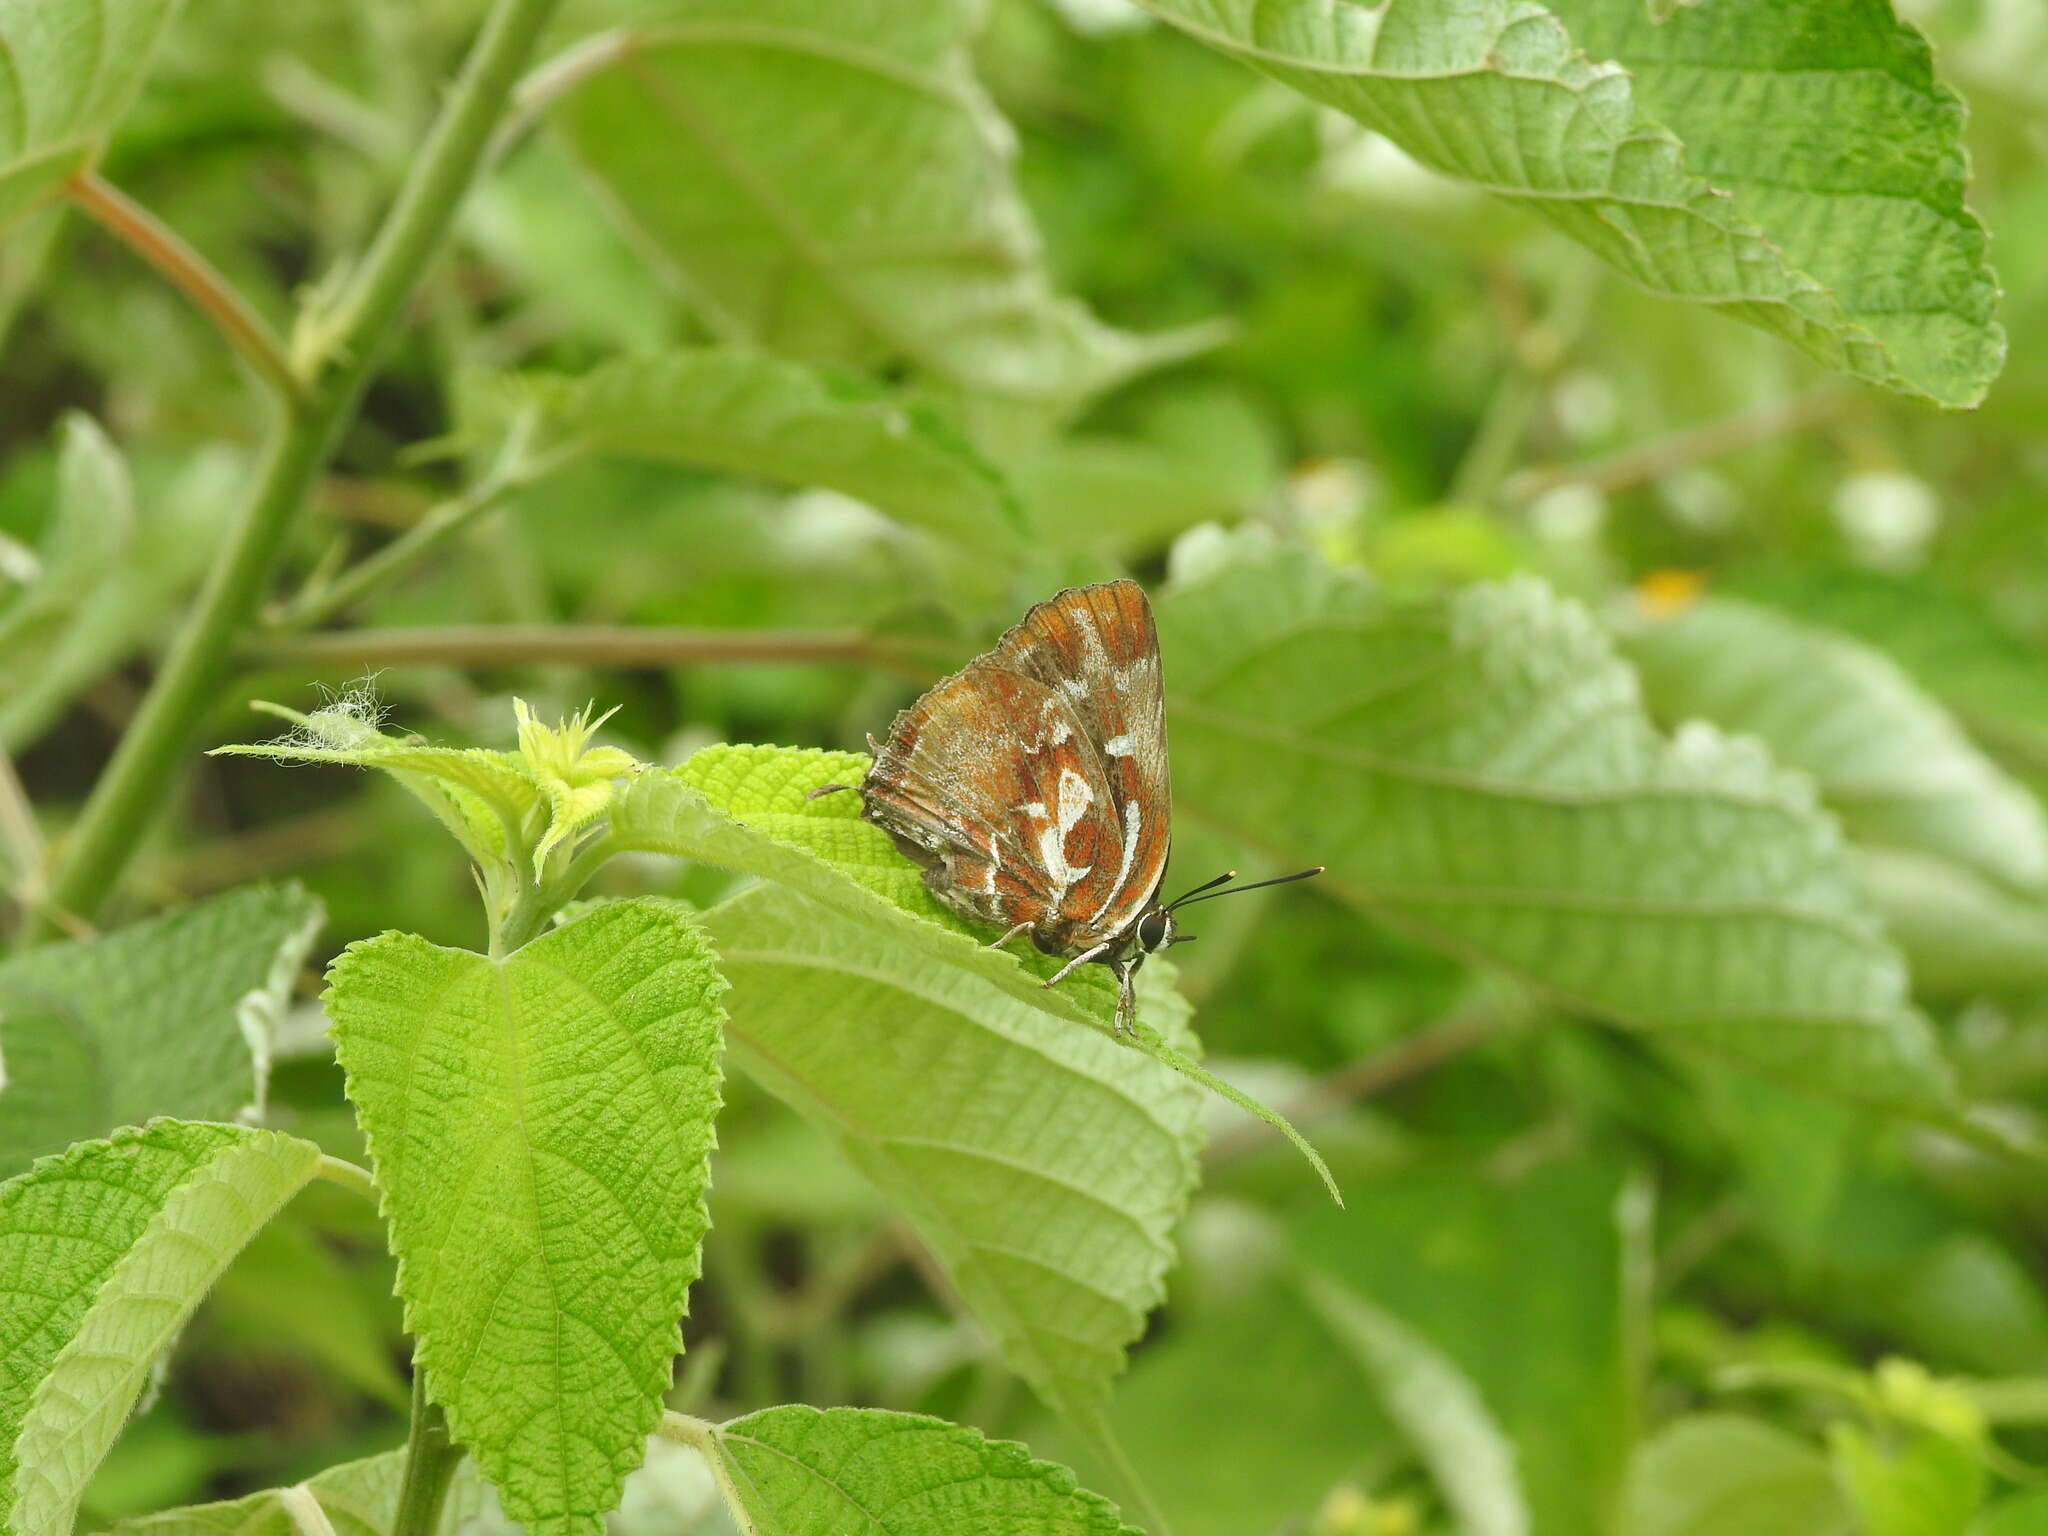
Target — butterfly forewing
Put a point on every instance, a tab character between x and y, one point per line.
1033	783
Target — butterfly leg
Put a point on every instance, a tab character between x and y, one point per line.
999	943
1081	959
1126	1001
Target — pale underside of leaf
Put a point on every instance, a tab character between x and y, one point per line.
104	1252
1795	165
540	1127
169	1017
833	184
750	414
1481	772
1045	1166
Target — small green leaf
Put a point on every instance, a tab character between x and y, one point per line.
359	1498
748	414
1474	1268
800	1471
169	1017
1436	1406
104	1252
1793	163
540	1126
92	531
1480	772
833	185
1930	1485
1713	1474
66	84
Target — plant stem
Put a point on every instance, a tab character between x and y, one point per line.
196	277
337	353
600	645
350	1176
703	1438
1684	448
430	1459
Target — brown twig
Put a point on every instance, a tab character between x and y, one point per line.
1407	1058
599	645
1682	449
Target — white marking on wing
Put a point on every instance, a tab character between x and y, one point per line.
1123	872
1075	797
1118	746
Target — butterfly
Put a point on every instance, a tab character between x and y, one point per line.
1032	786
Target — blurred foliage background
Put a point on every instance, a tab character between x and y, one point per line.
1675	1290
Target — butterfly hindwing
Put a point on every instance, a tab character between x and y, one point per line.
1032	784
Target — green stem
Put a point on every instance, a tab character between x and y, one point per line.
339	1170
335	357
1094	1429
430	1459
703	1438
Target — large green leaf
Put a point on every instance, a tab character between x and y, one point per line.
750	808
831	183
169	1017
1790	162
748	414
1044	1165
66	75
1889	761
104	1252
541	1126
1717	1473
801	1471
1954	853
1480	772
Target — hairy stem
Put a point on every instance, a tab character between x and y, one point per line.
338	349
430	1459
192	274
703	1438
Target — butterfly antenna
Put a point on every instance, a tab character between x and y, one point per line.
1207	885
1197	893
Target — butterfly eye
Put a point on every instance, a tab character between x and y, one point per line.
1155	930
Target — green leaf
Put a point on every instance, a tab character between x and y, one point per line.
671	1495
1716	1473
1890	762
1437	1408
1045	1166
1963	933
1929	1486
832	184
1479	772
1264	1360
540	1126
359	1498
801	1471
1475	1269
104	1252
64	85
749	808
91	533
1793	163
2024	1514
169	1017
747	414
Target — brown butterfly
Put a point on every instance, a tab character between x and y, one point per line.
1032	785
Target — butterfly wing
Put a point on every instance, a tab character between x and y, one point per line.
1033	783
985	781
1097	648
